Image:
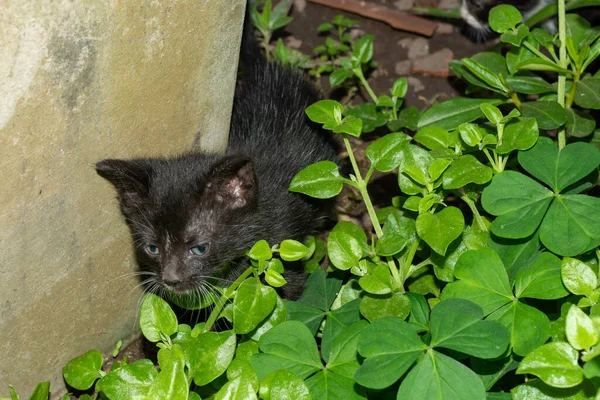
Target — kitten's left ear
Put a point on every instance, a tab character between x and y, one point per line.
233	182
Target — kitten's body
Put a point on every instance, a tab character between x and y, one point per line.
198	212
475	12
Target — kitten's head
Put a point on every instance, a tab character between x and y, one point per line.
476	12
187	215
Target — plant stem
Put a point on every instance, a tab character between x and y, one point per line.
476	214
362	187
489	157
535	51
410	255
358	72
216	311
516	101
562	79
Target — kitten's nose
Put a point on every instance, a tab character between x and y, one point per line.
171	277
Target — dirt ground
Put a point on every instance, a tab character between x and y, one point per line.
392	49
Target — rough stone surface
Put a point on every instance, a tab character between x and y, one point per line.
79	82
415	84
435	64
403	67
449	4
444	29
404	5
416	48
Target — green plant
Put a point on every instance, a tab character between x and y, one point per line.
484	272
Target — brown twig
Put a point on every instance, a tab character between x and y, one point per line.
396	19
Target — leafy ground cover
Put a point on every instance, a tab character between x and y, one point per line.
479	279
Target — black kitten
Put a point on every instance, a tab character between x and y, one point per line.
193	216
476	12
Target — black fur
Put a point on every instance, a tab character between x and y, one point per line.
229	201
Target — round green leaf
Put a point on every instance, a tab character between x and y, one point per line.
456	324
378	281
130	381
261	251
540	279
464	170
363	48
274	278
519	135
390	346
388	305
397	232
555	363
283	384
321	180
252	304
328	384
156	317
549	114
42	391
587	94
277	316
400	87
344	250
438	376
471	134
81	372
290	346
492	113
387	152
579	124
440	229
171	382
325	112
504	17
292	250
578	278
581	332
351	125
433	137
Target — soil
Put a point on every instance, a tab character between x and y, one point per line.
390	48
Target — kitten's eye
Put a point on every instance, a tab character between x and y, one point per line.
199	250
152	250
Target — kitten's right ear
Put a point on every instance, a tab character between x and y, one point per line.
130	178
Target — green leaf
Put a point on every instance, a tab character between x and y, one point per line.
576	217
482	280
131	381
519	135
419	311
549	114
336	326
519	202
515	252
400	87
540	279
288	346
156	318
342	357
370	116
390	346
363	48
440	229
538	390
324	27
292	250
579	124
529	85
451	113
408	118
374	307
321	289
471	134
41	391
529	327
515	38
252	304
387	152
492	113
260	251
587	94
438	376
397	232
339	76
555	363
321	180
540	64
456	324
277	316
344	250
581	332
351	125
81	372
327	112
283	384
464	170
484	74
328	385
433	137
578	278
559	168
504	17
242	382
443	266
171	382
378	281
308	315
